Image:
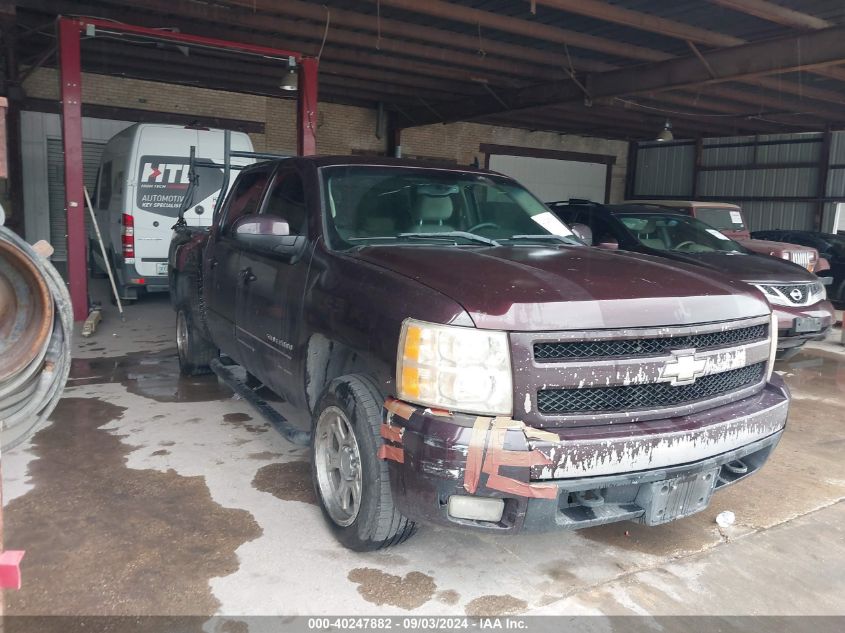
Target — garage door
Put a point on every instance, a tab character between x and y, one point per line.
91	152
552	179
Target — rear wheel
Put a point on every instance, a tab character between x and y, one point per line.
351	482
195	352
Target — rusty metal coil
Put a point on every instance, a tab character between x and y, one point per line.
36	326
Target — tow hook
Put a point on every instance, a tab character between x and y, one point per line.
589	498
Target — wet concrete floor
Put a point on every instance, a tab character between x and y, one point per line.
154	494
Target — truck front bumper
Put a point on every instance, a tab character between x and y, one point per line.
568	478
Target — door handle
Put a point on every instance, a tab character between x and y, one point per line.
213	263
247	276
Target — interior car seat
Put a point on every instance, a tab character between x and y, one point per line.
430	212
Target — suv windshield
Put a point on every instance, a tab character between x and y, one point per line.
677	233
378	204
837	245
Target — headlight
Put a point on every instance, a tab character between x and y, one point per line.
773	345
456	368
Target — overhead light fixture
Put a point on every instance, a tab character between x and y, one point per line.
290	81
666	133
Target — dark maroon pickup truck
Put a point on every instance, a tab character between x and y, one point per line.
466	360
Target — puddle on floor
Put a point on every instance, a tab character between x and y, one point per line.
101	538
153	375
408	592
815	373
290	481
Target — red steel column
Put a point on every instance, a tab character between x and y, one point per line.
306	108
70	78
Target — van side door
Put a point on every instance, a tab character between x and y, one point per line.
221	287
268	320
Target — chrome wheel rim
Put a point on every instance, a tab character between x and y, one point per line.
181	334
338	466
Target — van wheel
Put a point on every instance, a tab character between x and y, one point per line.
351	482
195	352
123	301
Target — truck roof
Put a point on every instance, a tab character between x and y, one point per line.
689	204
386	161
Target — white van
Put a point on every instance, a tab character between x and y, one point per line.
141	183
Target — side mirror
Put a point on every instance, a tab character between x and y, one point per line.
608	244
261	225
583	232
269	234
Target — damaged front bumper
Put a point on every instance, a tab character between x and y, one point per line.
651	472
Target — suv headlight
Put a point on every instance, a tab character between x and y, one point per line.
456	368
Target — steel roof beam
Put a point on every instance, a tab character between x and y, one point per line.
774	13
788	54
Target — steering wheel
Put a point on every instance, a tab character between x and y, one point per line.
483	225
682	245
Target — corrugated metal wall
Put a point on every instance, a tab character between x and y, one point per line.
665	170
775	178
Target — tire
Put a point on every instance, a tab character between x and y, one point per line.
124	302
355	402
195	352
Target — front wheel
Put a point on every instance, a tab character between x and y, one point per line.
195	352
351	482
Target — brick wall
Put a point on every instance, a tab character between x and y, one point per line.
340	129
461	141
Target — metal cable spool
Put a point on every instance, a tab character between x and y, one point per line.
36	326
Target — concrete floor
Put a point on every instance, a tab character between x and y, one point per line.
152	494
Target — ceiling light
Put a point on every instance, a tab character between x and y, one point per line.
290	80
666	133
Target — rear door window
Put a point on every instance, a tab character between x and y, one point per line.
102	195
245	197
287	200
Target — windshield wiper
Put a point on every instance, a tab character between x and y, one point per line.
548	237
451	234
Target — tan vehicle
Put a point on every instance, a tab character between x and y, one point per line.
729	219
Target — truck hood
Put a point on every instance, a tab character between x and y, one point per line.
750	268
525	288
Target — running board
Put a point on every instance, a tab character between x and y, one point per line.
276	419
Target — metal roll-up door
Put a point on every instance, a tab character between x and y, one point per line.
91	152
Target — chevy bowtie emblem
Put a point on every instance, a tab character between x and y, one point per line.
684	368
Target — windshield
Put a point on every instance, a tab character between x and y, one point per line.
377	204
723	218
837	245
677	233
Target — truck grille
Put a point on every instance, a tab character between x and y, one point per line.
646	396
562	351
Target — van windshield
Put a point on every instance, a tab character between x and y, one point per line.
722	218
384	204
